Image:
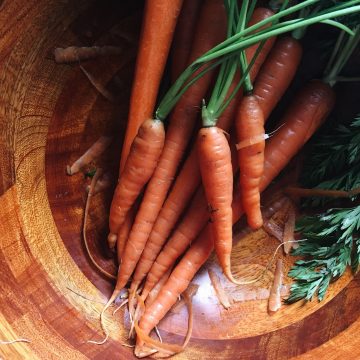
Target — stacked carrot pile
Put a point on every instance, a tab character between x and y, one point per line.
180	190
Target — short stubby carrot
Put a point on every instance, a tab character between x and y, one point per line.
299	124
140	165
249	124
217	177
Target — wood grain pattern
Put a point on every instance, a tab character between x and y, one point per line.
49	291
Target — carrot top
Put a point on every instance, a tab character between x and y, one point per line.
243	37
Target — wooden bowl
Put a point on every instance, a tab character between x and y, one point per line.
50	292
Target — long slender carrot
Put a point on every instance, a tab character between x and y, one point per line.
156	35
277	73
178	134
140	165
183	37
193	222
250	123
217	178
158	27
189	177
305	115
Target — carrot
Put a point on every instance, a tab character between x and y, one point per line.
250	123
275	292
183	37
124	232
178	282
197	215
140	165
76	53
189	177
156	35
181	126
305	115
220	292
273	79
277	72
217	177
92	153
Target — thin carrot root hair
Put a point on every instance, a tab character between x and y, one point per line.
99	87
86	213
150	346
263	272
91	154
120	306
134	310
9	342
256	139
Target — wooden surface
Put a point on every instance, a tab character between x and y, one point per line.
49	291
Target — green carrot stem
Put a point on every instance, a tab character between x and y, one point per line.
339	44
239	42
349	47
274	31
171	98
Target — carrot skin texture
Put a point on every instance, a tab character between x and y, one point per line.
179	241
156	35
306	113
283	76
286	143
217	177
277	73
183	37
140	165
250	123
178	134
189	177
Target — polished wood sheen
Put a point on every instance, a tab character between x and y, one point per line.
50	293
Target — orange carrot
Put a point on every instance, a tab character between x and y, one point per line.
277	72
189	177
140	165
310	107
157	32
178	134
124	232
249	124
156	35
196	218
197	215
183	37
217	178
273	78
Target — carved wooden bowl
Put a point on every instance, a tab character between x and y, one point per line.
50	292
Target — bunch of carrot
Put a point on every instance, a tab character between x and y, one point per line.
242	45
